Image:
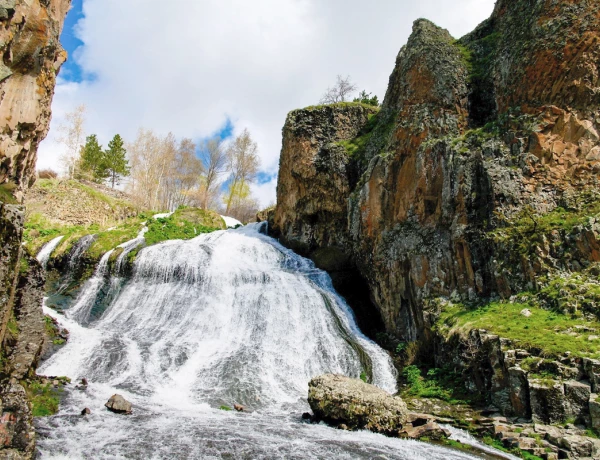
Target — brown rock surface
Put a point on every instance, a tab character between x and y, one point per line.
29	42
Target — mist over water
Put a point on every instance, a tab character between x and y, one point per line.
226	318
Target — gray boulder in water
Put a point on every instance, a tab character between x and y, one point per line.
340	400
118	404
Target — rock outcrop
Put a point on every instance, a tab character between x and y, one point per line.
29	42
473	134
352	404
315	180
118	404
22	334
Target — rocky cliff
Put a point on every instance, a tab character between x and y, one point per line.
29	42
475	183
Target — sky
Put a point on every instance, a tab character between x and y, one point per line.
197	68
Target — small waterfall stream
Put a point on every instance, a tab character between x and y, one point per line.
227	317
45	253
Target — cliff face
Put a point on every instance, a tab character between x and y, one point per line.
314	179
29	42
476	137
32	56
22	335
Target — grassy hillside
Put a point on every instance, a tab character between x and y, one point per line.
73	209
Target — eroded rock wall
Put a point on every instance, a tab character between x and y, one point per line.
32	57
472	132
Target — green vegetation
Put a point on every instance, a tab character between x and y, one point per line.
225	408
457	444
183	224
12	325
496	444
92	159
44	398
52	331
529	229
363	376
552	333
440	384
340	104
115	161
367	98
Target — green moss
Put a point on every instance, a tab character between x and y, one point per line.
545	330
226	408
12	326
457	444
44	398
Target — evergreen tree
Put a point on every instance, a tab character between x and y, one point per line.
367	98
115	161
92	160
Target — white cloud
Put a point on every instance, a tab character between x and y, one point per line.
185	66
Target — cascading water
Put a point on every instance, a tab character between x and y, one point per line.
228	317
45	253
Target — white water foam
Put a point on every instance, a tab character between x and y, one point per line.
44	255
228	317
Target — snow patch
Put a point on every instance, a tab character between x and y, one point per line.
231	222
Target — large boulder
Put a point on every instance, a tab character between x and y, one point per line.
354	404
118	404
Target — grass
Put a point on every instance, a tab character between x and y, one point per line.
183	224
44	398
544	330
437	383
341	104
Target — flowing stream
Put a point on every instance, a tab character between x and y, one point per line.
226	318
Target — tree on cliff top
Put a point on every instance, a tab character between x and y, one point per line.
367	98
92	162
243	163
340	92
115	162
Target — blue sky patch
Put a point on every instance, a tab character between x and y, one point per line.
71	71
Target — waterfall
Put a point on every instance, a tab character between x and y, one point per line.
79	248
227	317
45	253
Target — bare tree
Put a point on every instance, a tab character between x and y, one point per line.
340	92
214	157
72	136
183	171
242	163
149	161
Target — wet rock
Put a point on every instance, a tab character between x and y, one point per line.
306	416
86	411
84	382
118	404
338	400
239	408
